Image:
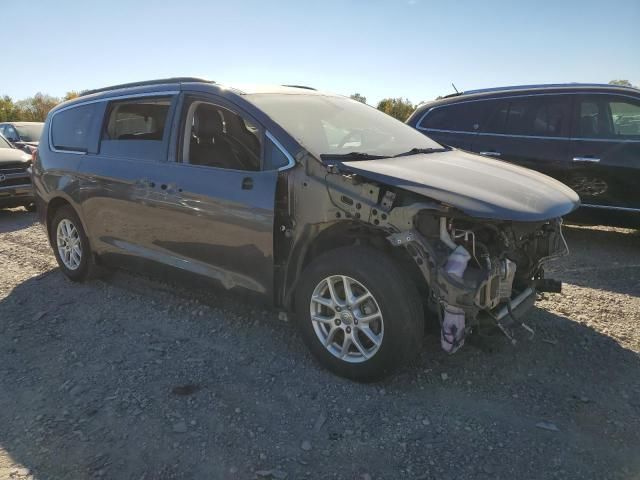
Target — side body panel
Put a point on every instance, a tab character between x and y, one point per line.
195	219
606	171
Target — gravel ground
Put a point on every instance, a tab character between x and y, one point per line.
129	378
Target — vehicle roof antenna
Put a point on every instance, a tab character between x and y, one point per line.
454	87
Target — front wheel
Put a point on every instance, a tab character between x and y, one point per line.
358	313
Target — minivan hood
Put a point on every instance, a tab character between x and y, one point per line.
13	155
478	186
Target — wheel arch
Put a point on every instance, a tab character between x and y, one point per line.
55	204
344	234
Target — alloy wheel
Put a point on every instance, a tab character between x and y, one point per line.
69	244
346	318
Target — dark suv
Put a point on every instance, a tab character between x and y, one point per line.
23	135
15	177
323	206
587	136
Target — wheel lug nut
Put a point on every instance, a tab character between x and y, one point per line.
338	322
348	329
338	309
355	321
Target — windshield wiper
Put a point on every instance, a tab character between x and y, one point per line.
415	151
351	156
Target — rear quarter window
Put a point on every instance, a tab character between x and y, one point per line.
460	117
71	128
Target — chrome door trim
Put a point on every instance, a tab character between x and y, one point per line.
283	150
418	127
164	93
586	159
530	136
609	207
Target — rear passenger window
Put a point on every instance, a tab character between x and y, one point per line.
135	128
71	128
460	117
538	116
495	116
139	120
552	117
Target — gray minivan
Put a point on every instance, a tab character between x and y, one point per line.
325	207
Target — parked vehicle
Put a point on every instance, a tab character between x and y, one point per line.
15	178
23	135
323	206
586	136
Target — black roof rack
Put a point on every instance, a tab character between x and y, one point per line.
300	86
542	85
160	81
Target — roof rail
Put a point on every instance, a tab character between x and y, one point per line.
543	85
160	81
300	86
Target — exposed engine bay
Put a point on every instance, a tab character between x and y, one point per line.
479	271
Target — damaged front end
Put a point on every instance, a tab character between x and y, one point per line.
479	271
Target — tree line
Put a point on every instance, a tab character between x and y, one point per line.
35	109
32	109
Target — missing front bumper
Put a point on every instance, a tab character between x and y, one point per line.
510	315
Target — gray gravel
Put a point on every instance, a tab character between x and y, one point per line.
129	378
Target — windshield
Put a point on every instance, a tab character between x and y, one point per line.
327	125
4	143
30	133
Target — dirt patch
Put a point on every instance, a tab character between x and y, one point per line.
126	377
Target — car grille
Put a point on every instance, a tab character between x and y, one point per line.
11	175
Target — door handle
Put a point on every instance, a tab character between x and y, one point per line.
586	159
247	183
490	154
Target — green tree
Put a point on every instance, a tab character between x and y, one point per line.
70	95
622	83
36	108
397	107
8	109
359	98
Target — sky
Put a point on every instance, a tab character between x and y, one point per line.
378	48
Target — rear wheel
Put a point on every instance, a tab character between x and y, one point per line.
358	313
71	245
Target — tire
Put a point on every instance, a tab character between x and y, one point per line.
86	267
394	303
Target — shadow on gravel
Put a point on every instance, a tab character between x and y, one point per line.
607	259
15	219
97	381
